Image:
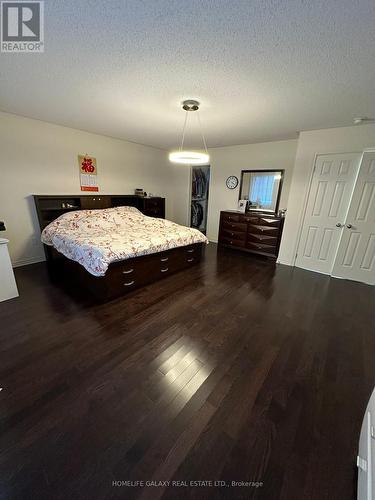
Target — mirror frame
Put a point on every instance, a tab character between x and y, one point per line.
278	194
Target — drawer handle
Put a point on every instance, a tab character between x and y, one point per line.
129	284
164	270
164	260
190	260
128	271
191	250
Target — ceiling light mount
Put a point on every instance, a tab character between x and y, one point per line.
190	105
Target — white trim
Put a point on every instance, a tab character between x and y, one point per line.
303	212
27	262
188	222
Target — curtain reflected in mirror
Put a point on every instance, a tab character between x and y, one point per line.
262	189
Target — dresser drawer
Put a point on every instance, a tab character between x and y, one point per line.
249	219
238	235
230	217
233	242
260	247
235	226
269	230
269	221
262	238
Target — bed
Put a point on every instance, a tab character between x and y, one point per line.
111	251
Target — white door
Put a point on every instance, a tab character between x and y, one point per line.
329	197
356	254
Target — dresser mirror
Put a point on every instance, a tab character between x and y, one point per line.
262	189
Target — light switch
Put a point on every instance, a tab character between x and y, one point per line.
361	463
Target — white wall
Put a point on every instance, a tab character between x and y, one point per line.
336	140
228	161
41	158
231	160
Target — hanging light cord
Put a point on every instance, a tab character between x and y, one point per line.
183	131
201	129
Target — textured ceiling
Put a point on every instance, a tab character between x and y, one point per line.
263	69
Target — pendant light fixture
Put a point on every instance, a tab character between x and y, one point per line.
190	157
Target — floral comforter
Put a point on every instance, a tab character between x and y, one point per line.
95	238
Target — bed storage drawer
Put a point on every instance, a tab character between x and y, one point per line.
139	271
179	258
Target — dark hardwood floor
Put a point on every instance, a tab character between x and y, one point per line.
235	370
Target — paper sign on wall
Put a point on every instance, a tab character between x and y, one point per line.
88	173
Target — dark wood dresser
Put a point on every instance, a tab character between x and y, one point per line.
251	232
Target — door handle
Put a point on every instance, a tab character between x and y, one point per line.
349	226
339	224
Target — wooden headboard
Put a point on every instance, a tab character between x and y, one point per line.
50	207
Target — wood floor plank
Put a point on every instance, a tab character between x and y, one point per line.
234	370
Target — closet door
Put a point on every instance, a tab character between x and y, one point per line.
356	254
329	197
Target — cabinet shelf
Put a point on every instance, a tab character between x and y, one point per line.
57	209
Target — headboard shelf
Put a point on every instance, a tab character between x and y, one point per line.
50	207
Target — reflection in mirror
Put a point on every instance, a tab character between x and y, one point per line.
262	189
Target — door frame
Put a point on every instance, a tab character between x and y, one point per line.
188	224
308	190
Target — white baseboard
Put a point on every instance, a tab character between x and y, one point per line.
26	262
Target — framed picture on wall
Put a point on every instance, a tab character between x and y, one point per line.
88	173
242	206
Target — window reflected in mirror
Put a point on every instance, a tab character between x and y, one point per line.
262	189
